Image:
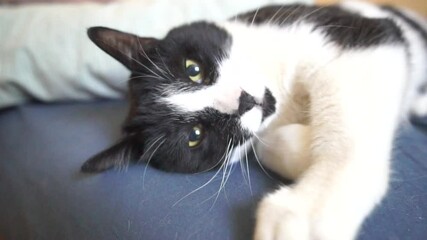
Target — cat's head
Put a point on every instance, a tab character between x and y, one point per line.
194	96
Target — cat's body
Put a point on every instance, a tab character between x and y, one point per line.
319	90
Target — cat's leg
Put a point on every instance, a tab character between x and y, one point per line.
285	150
354	112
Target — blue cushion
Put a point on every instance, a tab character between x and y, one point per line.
44	196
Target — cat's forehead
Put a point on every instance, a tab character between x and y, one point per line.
200	35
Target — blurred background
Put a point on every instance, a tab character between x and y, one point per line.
418	5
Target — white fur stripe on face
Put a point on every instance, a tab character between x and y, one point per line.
225	100
191	101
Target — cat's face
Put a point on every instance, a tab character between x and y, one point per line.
194	97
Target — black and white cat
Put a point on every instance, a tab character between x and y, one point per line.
318	90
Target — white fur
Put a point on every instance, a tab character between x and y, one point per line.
251	120
417	50
337	110
293	157
420	106
341	159
350	144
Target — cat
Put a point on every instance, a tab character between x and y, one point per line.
318	90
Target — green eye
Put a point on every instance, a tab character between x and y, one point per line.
195	136
193	71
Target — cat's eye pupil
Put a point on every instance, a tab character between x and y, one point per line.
193	70
195	136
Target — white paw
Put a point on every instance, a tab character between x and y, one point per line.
285	215
281	216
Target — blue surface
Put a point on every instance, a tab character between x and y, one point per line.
43	195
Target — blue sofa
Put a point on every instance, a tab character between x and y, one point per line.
43	195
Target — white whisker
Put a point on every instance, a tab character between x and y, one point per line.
164	64
259	162
242	164
260	140
337	26
205	184
247	167
274	15
225	175
141	75
312	12
148	58
253	19
291	14
147	163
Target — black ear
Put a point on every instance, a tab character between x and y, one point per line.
118	155
124	47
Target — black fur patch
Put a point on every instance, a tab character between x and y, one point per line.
155	131
345	28
154	120
414	25
165	136
268	105
246	103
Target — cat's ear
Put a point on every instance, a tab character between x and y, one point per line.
118	155
124	47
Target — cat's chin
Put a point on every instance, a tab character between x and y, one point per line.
252	119
240	151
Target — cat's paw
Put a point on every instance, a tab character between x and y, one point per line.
287	215
282	216
285	150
